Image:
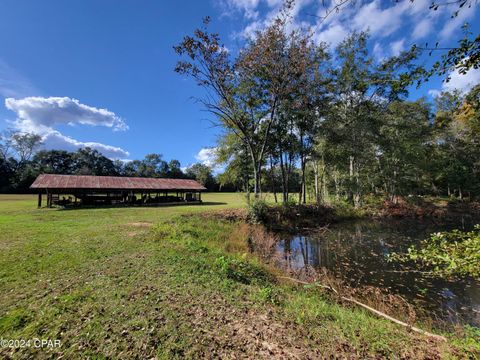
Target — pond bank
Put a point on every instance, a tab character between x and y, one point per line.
258	241
295	217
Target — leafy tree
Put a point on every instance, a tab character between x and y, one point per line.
89	161
245	94
54	162
25	145
232	152
458	142
402	151
6	175
6	144
174	169
203	174
153	166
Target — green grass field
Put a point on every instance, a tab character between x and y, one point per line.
147	282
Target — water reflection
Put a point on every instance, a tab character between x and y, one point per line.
356	251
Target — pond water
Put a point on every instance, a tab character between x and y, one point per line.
356	252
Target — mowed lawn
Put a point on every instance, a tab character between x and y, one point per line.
146	282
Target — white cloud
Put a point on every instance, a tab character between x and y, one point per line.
62	110
333	35
41	115
56	140
458	82
207	156
462	82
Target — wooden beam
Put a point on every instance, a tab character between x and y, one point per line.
39	200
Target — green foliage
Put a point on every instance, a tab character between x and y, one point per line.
469	340
454	253
258	212
270	295
244	272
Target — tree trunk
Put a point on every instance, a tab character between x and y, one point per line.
284	179
256	180
351	195
317	189
272	179
302	198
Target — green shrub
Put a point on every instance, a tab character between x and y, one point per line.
454	253
258	212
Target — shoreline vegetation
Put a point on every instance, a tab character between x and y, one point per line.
295	217
182	282
447	254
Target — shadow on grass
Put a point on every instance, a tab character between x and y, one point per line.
122	206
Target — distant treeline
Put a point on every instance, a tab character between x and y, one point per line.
21	163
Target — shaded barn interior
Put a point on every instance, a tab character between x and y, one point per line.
70	190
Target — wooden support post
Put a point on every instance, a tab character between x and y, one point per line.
39	200
199	196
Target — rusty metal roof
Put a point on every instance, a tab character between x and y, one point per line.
50	181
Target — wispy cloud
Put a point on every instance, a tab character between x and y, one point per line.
397	47
247	7
400	23
13	83
456	23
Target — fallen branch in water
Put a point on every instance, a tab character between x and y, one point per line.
377	312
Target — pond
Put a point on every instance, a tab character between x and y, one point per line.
355	251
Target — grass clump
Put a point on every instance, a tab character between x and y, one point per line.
245	272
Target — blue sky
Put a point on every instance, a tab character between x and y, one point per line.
100	72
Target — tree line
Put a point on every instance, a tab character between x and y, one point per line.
298	116
22	160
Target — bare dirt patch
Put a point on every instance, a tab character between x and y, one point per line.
140	224
227	214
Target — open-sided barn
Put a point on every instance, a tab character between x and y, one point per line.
112	190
